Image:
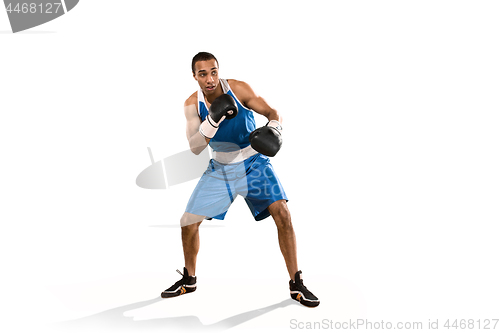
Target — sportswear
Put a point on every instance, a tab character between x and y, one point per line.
300	293
223	107
228	174
185	285
266	140
235	131
254	179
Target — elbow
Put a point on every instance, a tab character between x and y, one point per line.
197	143
274	115
197	150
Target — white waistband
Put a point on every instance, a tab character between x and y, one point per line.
234	156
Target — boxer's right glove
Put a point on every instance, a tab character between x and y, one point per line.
267	139
223	107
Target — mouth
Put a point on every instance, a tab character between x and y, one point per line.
210	88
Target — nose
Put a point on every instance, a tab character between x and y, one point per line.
210	78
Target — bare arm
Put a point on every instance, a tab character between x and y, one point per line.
251	100
197	142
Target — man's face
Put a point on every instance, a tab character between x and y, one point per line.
207	75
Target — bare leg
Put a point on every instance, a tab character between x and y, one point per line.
190	243
286	235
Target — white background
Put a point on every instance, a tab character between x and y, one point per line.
390	160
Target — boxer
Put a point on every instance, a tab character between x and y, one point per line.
221	114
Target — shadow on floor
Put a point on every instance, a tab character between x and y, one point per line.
178	226
114	319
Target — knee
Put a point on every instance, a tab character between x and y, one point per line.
282	218
190	222
190	230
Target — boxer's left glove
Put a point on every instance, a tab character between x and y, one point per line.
223	107
267	139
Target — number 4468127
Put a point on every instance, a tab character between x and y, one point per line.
33	8
471	324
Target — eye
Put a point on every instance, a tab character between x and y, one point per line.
214	73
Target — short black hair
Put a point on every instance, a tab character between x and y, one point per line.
202	56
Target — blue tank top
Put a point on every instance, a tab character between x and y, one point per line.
232	133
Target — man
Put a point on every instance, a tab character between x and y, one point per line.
220	113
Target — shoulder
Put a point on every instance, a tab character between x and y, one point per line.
237	85
242	89
193	99
191	106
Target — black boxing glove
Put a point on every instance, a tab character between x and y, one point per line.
267	139
223	107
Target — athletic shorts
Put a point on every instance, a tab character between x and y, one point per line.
254	179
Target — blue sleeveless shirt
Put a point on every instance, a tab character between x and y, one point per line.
232	133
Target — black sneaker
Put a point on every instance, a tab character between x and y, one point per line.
185	285
300	293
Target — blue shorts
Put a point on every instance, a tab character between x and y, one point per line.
254	179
